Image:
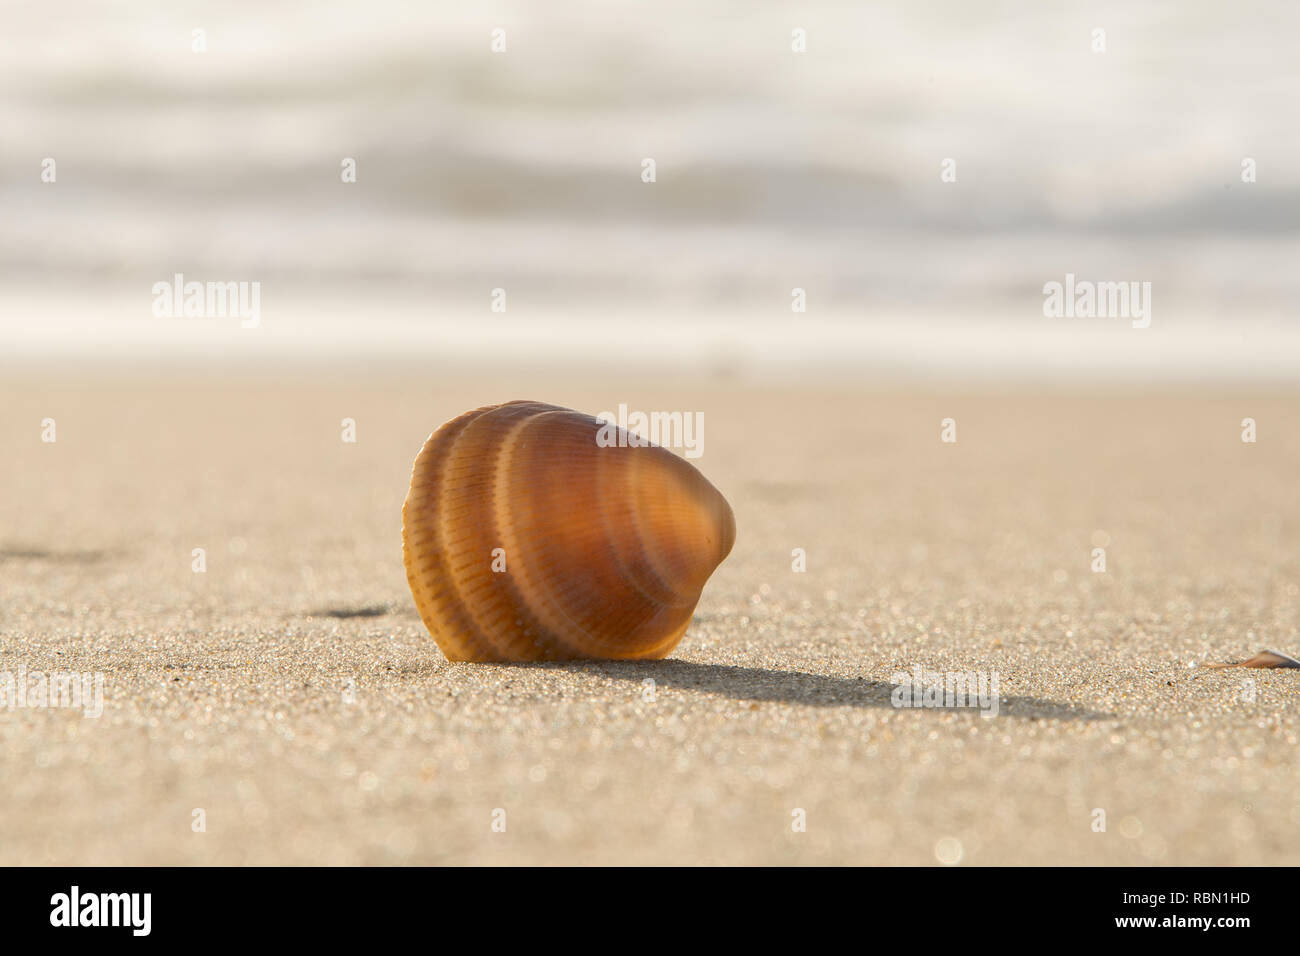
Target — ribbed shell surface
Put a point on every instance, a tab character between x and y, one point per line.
525	539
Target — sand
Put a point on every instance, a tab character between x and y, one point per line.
291	693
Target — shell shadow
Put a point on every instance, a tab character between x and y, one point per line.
57	557
798	687
345	613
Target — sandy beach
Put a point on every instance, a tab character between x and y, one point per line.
290	692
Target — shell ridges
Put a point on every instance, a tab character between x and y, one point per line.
524	539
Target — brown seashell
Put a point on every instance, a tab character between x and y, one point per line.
605	549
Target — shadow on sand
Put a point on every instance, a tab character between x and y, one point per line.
346	613
56	557
792	687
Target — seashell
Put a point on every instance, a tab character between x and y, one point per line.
524	539
1265	659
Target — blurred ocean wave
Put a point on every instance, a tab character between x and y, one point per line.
775	170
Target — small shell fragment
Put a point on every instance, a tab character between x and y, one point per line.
1264	658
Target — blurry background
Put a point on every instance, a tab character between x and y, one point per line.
775	170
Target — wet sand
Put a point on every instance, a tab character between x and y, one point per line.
291	693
